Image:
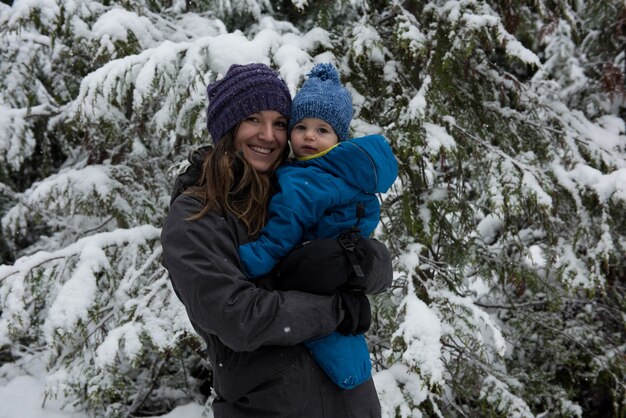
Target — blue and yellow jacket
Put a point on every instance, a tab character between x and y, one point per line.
318	197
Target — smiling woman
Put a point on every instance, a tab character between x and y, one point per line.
253	332
247	119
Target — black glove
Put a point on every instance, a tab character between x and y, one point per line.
322	265
319	266
191	175
357	312
369	257
358	255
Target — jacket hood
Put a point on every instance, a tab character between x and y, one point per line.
366	163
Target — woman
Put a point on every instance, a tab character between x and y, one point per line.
254	333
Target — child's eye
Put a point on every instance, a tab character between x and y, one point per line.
299	127
324	130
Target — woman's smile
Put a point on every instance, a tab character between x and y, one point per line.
260	149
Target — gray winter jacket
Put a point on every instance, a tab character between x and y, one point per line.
253	335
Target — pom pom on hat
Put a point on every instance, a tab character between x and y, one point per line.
244	90
323	96
325	72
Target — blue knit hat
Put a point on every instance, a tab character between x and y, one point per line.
322	96
244	90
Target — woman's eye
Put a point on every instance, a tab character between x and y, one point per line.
252	119
281	124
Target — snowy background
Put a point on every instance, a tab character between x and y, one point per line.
507	224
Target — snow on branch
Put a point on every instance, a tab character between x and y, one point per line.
17	140
420	329
479	16
70	192
367	43
70	299
115	24
168	81
499	394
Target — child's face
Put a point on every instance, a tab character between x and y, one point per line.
311	136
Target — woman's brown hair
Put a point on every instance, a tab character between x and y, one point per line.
230	183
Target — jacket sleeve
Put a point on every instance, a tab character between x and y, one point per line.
201	257
303	197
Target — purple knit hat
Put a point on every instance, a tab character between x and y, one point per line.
244	90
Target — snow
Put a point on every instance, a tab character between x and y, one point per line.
60	192
108	350
536	256
115	24
489	228
235	48
22	9
199	50
437	137
532	186
15	149
497	392
482	20
421	332
23	396
607	186
76	295
392	398
515	48
144	73
489	332
420	329
417	105
197	25
366	42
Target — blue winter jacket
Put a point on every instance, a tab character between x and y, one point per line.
318	197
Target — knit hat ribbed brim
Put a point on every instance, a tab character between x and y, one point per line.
244	90
322	96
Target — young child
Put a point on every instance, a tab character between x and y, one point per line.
318	196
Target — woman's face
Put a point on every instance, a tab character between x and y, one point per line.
262	137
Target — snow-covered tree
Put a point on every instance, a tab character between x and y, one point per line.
513	199
507	223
